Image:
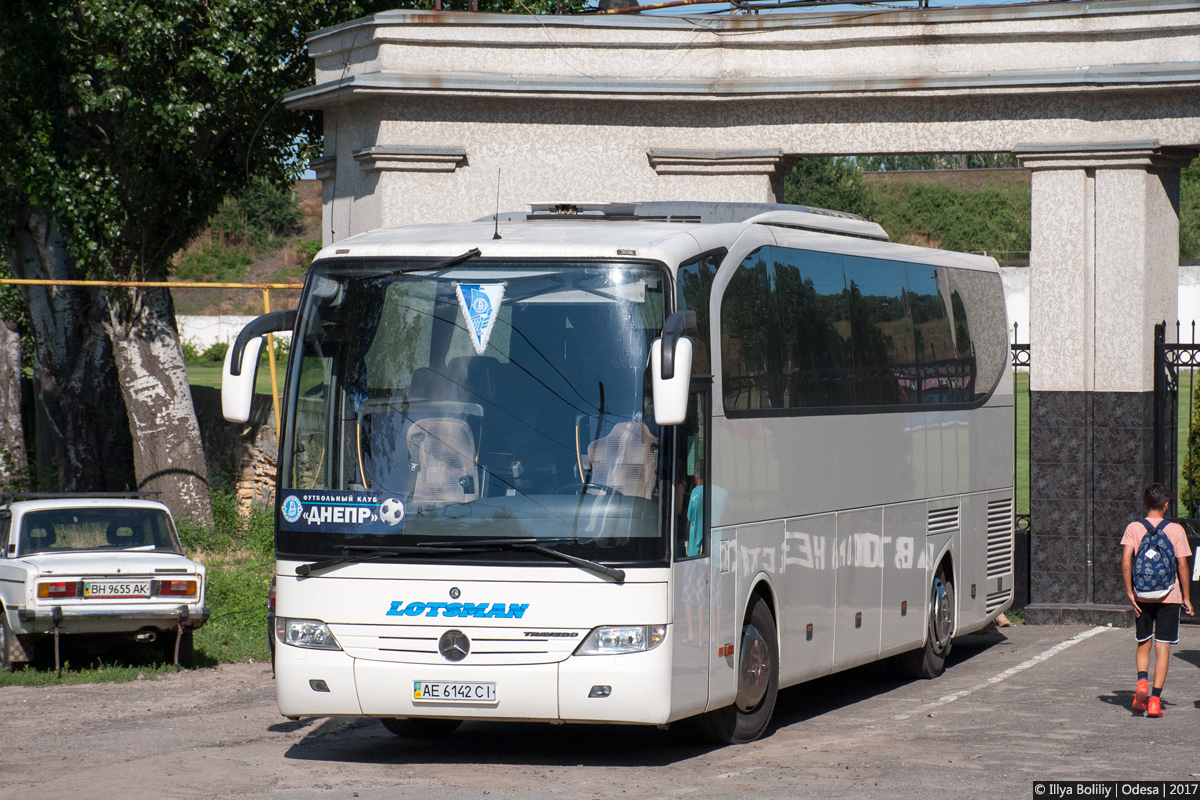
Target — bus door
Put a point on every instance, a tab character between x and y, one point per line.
691	558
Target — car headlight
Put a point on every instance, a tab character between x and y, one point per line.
305	633
612	640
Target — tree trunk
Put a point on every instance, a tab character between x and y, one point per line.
167	453
13	461
81	436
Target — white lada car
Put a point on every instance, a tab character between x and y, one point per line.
95	565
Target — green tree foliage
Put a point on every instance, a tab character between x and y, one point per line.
995	220
1189	211
929	161
833	183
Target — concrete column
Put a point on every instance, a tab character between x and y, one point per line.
1103	270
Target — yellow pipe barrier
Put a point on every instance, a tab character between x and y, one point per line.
266	290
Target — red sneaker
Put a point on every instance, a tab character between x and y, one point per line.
1139	696
1154	707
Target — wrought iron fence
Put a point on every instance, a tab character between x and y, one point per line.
1022	534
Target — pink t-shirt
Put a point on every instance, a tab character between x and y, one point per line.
1136	531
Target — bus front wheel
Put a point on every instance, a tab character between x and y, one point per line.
758	682
421	728
930	660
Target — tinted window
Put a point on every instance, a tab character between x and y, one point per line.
693	287
808	330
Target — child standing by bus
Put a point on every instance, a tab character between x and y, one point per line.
1156	612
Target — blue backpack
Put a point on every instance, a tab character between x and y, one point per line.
1154	565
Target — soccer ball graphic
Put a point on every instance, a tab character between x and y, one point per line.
391	511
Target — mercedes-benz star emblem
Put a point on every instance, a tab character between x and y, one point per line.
455	593
454	645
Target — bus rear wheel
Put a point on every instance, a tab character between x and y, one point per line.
929	661
758	682
421	728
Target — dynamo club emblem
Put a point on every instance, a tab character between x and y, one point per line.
292	509
480	304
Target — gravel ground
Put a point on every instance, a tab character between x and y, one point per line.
1015	705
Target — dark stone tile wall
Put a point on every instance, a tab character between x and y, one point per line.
1091	455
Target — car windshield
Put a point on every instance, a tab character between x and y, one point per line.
67	530
485	400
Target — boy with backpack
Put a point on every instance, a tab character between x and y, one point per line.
1157	584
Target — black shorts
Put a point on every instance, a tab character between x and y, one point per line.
1160	620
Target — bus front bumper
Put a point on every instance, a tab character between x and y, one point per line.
633	688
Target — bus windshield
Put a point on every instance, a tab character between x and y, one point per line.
487	400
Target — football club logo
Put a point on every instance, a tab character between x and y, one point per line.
480	304
292	509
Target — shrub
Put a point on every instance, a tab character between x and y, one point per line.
269	208
212	261
309	249
216	351
191	351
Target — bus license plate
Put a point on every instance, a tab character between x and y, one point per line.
116	589
453	692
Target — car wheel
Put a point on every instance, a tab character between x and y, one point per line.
758	682
929	661
421	728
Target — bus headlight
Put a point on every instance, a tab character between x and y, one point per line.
617	639
305	633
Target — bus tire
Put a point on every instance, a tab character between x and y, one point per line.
421	728
758	682
930	660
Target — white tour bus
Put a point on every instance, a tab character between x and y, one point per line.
631	464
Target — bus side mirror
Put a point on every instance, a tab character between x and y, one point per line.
671	394
241	363
237	389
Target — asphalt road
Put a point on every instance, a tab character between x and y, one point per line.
1015	705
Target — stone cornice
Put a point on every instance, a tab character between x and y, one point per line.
325	168
412	158
1143	154
1173	76
717	162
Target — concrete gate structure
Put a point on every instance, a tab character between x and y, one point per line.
428	116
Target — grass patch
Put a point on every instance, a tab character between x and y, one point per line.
209	374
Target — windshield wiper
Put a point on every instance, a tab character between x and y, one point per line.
537	546
617	575
453	261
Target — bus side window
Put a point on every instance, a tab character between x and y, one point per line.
693	286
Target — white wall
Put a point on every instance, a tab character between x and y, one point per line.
1016	293
206	331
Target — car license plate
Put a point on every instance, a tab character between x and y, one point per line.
453	692
116	589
